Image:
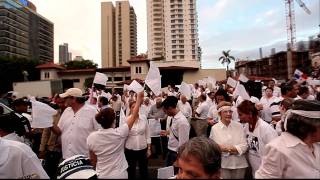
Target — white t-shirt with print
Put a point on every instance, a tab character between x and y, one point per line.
257	140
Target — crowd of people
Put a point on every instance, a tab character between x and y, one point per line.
214	133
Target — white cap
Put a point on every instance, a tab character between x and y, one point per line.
74	92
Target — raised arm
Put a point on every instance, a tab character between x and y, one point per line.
135	113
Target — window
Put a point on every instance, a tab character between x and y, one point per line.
118	78
76	80
127	78
138	70
46	75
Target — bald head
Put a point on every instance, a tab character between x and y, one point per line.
183	99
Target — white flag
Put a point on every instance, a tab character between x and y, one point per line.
122	118
100	78
153	79
241	91
185	90
243	78
232	82
42	115
135	86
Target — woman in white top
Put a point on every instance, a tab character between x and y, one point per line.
258	132
138	145
266	101
296	152
231	138
106	145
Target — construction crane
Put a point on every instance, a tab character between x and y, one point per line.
291	30
291	22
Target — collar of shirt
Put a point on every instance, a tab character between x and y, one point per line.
223	126
178	115
291	140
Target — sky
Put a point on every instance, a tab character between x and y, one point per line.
242	26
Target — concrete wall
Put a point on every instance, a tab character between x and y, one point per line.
144	70
191	77
52	74
33	88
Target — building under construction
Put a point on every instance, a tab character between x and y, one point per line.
275	65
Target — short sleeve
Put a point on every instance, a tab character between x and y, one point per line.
123	130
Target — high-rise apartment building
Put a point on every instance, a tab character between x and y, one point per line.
118	34
63	53
24	33
173	30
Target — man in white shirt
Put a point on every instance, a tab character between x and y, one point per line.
276	89
7	129
184	107
178	128
18	161
199	123
76	123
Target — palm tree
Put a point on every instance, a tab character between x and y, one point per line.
226	59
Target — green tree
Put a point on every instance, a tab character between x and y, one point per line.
84	64
13	69
226	59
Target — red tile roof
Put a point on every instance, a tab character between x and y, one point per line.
50	65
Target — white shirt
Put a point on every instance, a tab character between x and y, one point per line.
14	137
266	111
145	109
196	93
180	128
139	135
262	134
75	128
287	157
18	161
185	109
108	146
232	135
276	91
203	110
213	113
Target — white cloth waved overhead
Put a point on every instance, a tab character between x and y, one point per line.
153	79
42	115
100	78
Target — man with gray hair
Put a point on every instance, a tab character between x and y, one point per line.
158	144
199	158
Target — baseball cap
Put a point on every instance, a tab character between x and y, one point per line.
74	92
76	167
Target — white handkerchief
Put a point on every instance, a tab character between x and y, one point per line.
166	172
135	86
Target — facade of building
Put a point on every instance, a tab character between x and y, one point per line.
276	65
64	53
118	34
173	31
24	33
